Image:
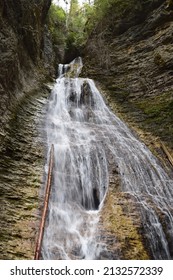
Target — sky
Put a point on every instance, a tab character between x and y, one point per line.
62	3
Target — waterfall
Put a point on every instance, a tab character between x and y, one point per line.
85	133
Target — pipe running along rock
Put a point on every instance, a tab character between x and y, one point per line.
45	207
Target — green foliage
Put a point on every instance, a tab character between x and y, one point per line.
57	24
76	25
116	8
57	15
82	21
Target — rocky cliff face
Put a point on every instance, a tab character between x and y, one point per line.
132	59
26	60
26	54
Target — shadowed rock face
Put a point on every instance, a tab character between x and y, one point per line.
132	58
23	52
26	58
27	20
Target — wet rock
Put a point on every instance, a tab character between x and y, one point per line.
121	225
86	96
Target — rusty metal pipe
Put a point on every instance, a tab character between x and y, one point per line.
45	207
167	153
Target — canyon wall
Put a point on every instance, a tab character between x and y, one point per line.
26	54
131	57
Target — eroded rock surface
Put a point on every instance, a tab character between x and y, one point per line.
26	60
23	53
132	58
21	177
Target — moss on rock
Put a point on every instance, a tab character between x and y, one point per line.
120	219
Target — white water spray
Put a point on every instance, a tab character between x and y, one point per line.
84	133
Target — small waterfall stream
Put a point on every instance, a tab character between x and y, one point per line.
85	133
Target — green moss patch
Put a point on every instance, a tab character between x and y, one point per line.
158	111
121	220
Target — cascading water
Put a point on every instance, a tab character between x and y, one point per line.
84	133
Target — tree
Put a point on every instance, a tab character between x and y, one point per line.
76	25
57	24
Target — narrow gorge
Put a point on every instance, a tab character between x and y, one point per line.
106	106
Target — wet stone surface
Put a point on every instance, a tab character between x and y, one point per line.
21	175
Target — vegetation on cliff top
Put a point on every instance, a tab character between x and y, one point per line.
77	24
57	24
